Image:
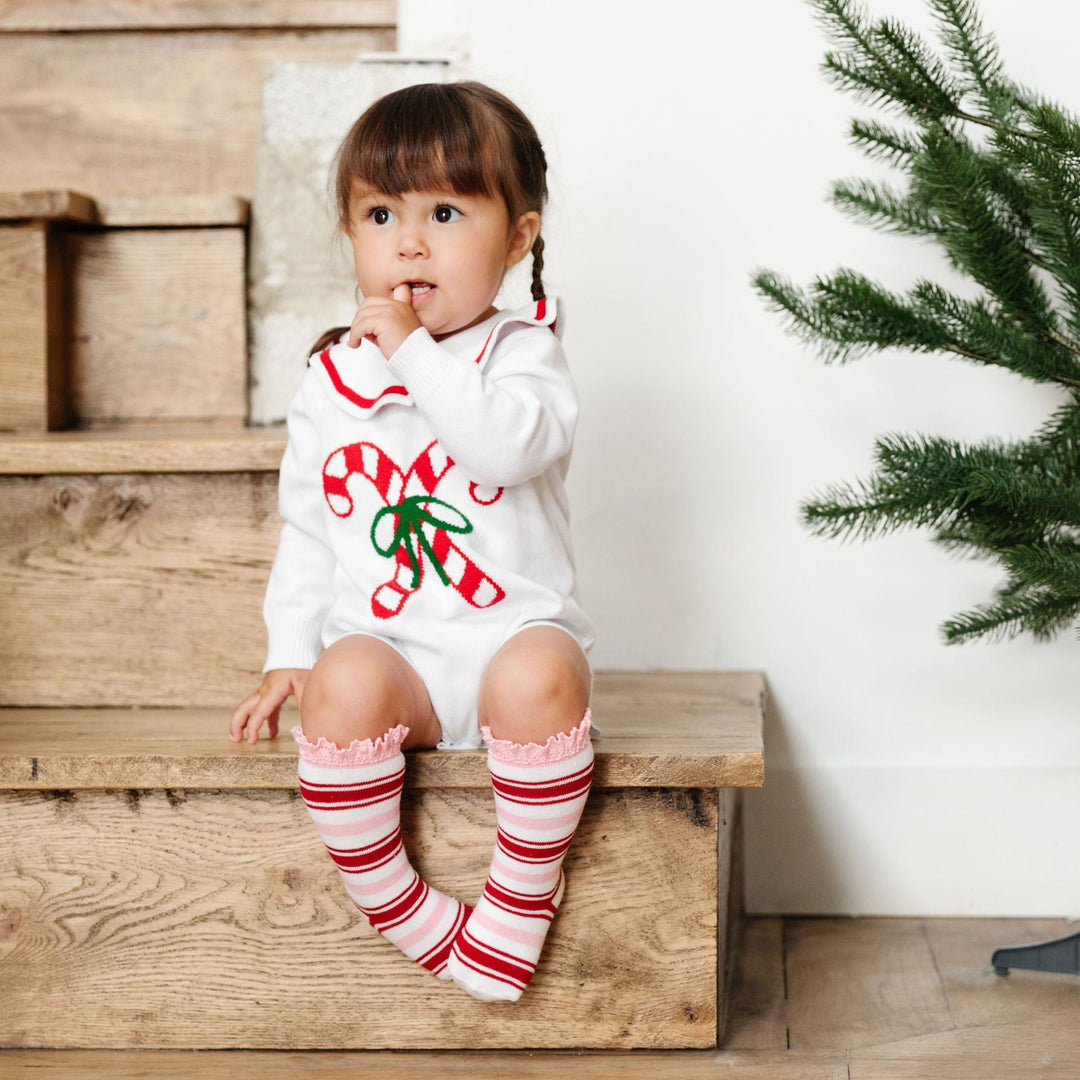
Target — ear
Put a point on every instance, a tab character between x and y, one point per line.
523	234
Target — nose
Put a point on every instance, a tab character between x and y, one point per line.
411	243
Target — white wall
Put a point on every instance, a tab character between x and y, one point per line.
903	777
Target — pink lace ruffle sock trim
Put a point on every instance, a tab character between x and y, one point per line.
358	752
559	747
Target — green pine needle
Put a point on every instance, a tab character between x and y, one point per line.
990	173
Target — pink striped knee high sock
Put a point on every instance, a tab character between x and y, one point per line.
354	797
540	793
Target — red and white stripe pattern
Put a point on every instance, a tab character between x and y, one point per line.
425	474
354	798
540	794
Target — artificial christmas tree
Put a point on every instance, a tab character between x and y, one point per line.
992	175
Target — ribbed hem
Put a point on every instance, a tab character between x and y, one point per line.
358	752
423	365
293	644
559	747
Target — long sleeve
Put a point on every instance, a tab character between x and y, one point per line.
299	593
503	424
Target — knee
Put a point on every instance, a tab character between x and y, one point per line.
346	698
540	688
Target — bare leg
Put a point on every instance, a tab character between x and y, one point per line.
360	688
368	703
533	706
536	686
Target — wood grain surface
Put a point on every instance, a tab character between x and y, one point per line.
125	212
190	128
188	446
757	1008
158	324
47	206
215	919
134	590
45	749
857	983
24	357
388	1065
76	15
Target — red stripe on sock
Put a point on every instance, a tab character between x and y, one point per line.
517	903
435	958
333	796
532	851
544	791
400	908
493	962
371	857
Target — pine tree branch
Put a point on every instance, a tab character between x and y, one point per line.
887	144
1060	339
1038	612
974	51
993	361
911	54
882	207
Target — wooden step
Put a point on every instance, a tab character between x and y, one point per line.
193	446
160	534
161	887
486	1065
121	309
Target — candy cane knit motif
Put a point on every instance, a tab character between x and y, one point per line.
354	798
411	495
540	794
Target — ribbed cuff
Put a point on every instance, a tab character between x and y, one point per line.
423	365
295	643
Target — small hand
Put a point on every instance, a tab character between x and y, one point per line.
265	704
387	322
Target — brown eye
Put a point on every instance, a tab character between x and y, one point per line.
445	214
381	216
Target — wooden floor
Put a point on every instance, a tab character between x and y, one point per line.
815	999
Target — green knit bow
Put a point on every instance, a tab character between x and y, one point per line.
412	514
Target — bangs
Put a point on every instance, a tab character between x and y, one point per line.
423	138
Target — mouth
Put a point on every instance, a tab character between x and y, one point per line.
419	288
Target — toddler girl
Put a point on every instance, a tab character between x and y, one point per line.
423	593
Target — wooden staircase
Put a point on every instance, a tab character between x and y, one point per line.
161	887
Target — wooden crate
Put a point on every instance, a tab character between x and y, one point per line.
160	887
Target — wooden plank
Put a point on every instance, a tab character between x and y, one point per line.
47	206
195	210
360	1065
33	366
134	590
190	129
977	997
860	982
757	1009
171	447
1030	1051
216	920
83	15
158	324
166	748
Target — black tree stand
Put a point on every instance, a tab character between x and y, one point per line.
1061	955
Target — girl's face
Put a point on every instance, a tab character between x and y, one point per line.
452	250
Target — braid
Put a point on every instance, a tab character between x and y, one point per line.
538	268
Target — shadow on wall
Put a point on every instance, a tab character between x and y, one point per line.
790	867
